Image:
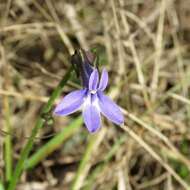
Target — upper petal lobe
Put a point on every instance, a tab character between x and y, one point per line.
103	80
110	109
94	79
70	103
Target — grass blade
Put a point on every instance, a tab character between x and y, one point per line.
8	142
1	185
54	143
84	165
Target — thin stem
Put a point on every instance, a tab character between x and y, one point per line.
40	122
53	144
8	142
7	123
85	162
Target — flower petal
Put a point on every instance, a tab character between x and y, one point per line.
104	80
91	117
94	79
70	103
110	109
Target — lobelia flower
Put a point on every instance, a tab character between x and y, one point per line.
92	101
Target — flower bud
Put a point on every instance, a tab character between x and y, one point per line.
83	63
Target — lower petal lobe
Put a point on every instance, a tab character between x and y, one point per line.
91	117
110	109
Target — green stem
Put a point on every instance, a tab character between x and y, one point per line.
84	162
54	143
100	167
40	122
92	146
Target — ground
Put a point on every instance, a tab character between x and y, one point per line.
145	45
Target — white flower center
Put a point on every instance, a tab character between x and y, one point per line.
93	91
88	102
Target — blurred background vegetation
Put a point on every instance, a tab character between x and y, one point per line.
145	45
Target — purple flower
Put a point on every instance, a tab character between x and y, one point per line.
92	101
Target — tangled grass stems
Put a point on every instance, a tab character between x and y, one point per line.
155	156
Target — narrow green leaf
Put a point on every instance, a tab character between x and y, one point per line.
54	143
39	124
93	143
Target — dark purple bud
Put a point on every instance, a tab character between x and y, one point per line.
83	65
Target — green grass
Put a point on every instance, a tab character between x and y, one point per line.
39	124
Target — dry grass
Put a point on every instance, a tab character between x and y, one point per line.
144	45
